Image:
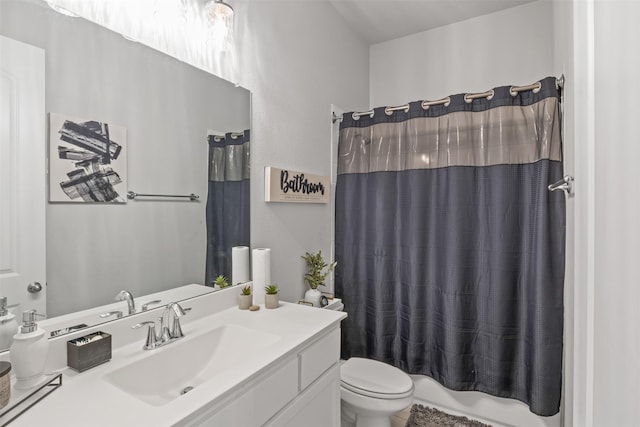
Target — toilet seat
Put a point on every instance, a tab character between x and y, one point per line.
375	379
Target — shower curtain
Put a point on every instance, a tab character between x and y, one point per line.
227	201
450	247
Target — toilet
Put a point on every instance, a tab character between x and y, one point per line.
371	392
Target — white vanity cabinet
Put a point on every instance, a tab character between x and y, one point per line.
300	389
271	368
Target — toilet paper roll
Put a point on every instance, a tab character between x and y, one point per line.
240	265
261	266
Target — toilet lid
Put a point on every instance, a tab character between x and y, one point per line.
372	378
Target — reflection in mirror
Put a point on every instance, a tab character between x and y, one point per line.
228	201
168	109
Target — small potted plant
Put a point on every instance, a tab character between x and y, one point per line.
221	282
271	297
317	271
245	299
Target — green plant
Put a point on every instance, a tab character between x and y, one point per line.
271	289
221	281
245	290
317	269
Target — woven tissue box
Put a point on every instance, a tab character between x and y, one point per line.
89	351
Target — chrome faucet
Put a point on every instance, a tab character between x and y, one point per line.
166	334
173	329
126	296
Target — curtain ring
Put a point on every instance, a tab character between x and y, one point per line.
535	88
469	97
444	101
389	110
356	116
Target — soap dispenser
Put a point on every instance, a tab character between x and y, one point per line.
8	325
28	352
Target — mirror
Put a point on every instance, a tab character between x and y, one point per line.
167	108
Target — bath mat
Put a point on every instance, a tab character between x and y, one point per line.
424	416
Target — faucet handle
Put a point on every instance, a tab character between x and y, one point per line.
118	314
145	306
151	334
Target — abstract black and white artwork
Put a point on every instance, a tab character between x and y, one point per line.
87	161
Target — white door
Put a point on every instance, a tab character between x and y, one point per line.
22	176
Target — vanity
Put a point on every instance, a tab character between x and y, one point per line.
233	367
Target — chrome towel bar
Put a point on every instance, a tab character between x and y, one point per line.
132	196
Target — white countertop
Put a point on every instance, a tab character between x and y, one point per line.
87	399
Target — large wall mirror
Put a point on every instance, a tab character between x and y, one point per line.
168	108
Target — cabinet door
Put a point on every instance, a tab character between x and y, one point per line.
317	406
318	357
256	402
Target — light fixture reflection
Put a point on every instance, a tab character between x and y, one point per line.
170	12
220	17
61	10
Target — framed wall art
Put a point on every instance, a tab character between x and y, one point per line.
87	160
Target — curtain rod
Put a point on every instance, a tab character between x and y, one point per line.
468	97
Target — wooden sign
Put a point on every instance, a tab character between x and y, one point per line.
283	185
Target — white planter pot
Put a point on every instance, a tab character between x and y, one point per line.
313	296
271	301
245	301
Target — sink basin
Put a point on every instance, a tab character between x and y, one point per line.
178	367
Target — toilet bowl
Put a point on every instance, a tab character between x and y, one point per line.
372	391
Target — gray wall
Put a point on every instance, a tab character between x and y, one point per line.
297	58
167	107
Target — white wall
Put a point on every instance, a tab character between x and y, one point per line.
617	213
514	46
564	65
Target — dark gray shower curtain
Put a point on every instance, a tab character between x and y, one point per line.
450	247
227	202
